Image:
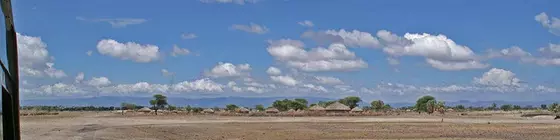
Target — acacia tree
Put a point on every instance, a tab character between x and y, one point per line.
377	105
259	107
126	106
431	106
350	101
421	103
159	101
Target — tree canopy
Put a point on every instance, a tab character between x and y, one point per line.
286	104
350	101
159	101
377	105
421	103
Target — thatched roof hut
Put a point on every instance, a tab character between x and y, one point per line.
145	110
272	110
317	108
208	110
357	109
243	110
337	107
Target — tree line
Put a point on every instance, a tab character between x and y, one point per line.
427	104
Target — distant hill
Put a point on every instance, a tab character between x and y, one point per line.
243	101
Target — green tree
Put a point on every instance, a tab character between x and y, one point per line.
506	107
554	107
301	100
159	101
296	105
431	106
281	105
440	107
493	106
460	107
350	101
325	103
188	108
387	107
421	103
310	105
516	107
543	106
259	107
377	105
231	107
172	107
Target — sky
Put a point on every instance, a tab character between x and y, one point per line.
390	50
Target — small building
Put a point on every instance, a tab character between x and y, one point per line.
208	111
337	107
271	110
145	110
357	110
243	110
317	108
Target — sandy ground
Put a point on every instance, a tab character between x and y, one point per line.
109	126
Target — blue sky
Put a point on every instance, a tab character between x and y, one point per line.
479	50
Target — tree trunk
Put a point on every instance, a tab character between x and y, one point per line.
122	111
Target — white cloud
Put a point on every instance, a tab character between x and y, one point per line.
89	53
251	28
315	87
355	38
129	51
553	50
34	59
240	2
179	51
58	89
393	61
202	85
273	71
456	65
99	81
551	23
79	78
256	90
328	80
140	87
166	73
188	36
228	70
334	58
498	77
440	52
116	22
511	52
306	23
286	80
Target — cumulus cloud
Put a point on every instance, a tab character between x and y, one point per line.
140	87
273	71
306	23
34	58
251	28
239	2
498	77
286	80
440	52
551	23
129	50
553	50
511	52
166	73
99	81
334	58
203	85
328	80
89	53
115	22
179	51
188	36
456	65
354	38
58	89
79	78
228	70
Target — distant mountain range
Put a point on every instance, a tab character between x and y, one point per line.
242	101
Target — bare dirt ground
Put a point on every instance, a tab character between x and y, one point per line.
111	126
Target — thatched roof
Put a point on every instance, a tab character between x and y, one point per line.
272	110
243	110
336	106
208	110
145	109
317	108
357	109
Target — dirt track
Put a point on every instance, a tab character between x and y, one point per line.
110	126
